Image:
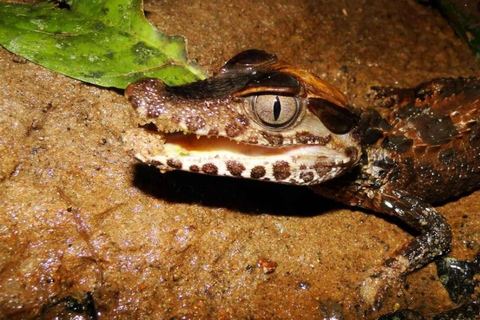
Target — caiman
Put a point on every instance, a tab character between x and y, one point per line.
264	119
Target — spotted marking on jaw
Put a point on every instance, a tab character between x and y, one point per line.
308	138
174	163
281	170
236	126
257	172
235	168
194	168
195	123
306	176
273	139
210	168
321	169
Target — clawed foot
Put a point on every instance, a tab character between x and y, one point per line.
374	288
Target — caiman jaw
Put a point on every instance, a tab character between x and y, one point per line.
258	121
299	164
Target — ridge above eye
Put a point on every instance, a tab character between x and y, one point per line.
252	58
275	110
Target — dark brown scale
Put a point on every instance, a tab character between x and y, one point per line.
397	143
257	172
210	168
194	168
174	163
195	123
274	139
235	168
427	150
448	153
281	170
448	157
448	87
434	129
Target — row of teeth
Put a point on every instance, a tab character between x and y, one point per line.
294	157
204	133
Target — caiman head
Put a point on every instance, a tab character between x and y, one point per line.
258	118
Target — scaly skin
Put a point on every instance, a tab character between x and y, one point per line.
426	150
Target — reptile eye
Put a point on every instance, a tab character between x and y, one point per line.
275	111
337	119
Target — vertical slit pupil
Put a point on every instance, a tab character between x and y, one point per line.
277	107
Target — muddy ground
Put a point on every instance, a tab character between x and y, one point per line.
85	229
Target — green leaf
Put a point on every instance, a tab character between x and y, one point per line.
106	42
